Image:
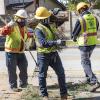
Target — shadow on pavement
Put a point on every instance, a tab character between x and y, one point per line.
75	91
72	87
91	98
97	92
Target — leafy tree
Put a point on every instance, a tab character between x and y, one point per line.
71	4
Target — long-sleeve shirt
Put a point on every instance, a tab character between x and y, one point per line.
77	30
42	40
77	27
6	30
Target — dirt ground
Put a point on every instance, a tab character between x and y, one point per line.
7	94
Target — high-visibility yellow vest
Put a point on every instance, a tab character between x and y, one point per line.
88	34
49	36
13	41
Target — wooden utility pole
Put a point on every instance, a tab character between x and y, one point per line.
70	19
37	4
23	3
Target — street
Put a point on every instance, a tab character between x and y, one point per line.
74	73
70	58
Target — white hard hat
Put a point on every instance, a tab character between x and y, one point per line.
21	13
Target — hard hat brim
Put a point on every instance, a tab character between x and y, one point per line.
43	17
20	16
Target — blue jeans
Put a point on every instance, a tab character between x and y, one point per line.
53	60
86	63
12	61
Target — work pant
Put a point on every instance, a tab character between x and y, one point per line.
13	60
86	63
53	60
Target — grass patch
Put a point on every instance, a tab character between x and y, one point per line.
32	93
78	86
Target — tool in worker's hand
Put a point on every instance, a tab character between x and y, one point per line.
11	23
33	57
1	18
36	67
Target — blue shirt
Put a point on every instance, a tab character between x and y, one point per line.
42	40
77	27
77	30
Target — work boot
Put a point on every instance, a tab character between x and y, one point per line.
95	87
24	85
45	98
14	89
64	97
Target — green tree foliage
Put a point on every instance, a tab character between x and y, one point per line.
97	4
71	4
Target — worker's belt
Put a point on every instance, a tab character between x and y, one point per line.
90	34
13	49
41	53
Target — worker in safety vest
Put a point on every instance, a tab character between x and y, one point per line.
85	33
47	55
16	34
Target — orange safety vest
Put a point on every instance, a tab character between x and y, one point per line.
15	40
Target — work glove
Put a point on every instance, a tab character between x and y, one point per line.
58	42
11	23
61	42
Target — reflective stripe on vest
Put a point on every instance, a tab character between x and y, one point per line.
88	34
49	36
13	41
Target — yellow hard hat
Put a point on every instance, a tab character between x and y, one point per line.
81	5
42	13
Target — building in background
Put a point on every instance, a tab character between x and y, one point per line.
31	5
